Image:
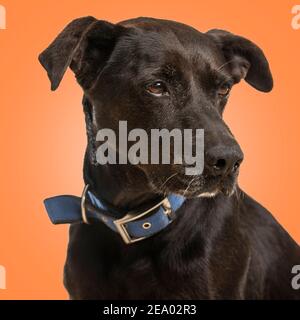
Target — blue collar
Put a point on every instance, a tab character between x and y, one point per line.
133	227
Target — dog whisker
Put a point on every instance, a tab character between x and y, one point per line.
186	190
168	179
224	64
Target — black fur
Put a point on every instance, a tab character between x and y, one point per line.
222	247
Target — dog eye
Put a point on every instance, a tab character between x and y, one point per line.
224	91
158	89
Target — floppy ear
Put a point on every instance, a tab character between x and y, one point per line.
245	59
84	45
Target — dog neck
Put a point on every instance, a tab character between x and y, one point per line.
123	187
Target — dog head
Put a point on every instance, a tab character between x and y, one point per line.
162	74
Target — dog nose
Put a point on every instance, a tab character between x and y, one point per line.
222	160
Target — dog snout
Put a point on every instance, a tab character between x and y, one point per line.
223	160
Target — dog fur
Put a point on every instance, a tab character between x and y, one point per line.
223	244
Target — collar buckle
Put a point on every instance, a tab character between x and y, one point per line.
121	223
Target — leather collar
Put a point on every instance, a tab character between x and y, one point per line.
133	227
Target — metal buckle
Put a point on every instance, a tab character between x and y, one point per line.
120	223
83	210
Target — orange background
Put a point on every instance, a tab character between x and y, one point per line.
42	133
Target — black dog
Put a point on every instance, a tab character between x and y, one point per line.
163	74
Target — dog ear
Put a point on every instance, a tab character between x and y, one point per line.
85	44
246	60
